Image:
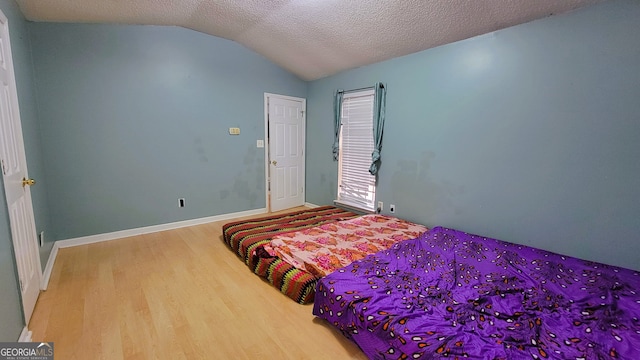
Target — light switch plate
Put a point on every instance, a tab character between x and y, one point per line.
234	131
260	143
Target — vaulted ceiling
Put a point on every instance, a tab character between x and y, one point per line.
314	38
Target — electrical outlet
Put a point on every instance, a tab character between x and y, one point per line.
392	208
380	207
181	202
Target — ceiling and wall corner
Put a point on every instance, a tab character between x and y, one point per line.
528	134
313	38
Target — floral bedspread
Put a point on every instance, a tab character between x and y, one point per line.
326	248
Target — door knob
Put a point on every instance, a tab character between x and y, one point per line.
29	182
274	162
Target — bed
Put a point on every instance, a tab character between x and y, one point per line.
267	244
324	249
294	261
245	236
449	294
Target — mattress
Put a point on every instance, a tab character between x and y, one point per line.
449	294
245	236
323	249
314	252
298	285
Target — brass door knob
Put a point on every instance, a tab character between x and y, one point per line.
274	162
29	182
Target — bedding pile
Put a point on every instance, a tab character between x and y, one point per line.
245	236
312	243
323	249
449	294
312	253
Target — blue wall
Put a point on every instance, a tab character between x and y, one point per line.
134	117
529	134
11	318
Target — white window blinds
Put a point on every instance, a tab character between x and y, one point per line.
356	186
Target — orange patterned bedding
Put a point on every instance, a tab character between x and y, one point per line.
326	248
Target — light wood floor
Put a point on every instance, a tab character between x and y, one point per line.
179	294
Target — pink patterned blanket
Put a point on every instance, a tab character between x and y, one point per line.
326	248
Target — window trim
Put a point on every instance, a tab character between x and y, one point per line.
370	207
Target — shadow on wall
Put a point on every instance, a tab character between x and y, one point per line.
413	186
200	151
241	188
329	187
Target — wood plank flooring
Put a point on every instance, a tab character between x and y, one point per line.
178	294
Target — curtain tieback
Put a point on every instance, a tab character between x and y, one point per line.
375	156
336	149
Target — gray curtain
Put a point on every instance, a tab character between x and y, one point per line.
337	113
379	105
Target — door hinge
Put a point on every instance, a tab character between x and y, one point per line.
4	170
302	189
21	286
301	113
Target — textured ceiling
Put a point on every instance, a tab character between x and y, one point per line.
314	38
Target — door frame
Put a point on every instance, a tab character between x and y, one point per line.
267	168
13	98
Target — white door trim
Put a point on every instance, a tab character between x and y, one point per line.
267	96
25	335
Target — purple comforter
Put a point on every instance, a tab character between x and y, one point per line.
449	294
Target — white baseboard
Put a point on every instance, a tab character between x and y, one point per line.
25	335
84	240
310	205
46	275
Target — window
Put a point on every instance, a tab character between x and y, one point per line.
356	186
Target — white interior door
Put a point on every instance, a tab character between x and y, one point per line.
16	180
286	123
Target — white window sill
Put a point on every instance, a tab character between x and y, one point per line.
356	207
